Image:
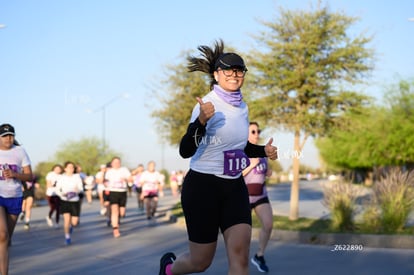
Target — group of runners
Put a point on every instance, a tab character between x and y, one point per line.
227	172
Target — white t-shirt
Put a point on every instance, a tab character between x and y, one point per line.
117	179
16	158
89	182
52	177
100	176
150	180
69	187
227	130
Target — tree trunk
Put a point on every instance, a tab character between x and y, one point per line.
294	191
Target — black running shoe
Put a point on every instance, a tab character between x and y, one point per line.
166	259
260	263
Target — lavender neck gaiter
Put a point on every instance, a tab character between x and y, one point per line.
232	98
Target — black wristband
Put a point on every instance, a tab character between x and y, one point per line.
255	151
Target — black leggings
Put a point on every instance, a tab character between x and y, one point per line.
54	205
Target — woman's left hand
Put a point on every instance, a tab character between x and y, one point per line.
270	150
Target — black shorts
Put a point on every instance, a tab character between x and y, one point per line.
28	193
211	203
71	207
259	202
151	195
119	198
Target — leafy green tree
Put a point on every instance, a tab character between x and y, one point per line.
379	136
302	74
87	152
353	146
399	148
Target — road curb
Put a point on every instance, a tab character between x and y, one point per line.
329	239
366	240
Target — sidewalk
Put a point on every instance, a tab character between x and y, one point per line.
94	251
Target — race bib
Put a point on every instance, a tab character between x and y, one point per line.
235	161
118	184
149	187
261	168
71	195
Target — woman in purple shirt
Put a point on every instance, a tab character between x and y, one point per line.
254	176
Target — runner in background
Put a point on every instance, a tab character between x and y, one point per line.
255	177
174	183
150	181
89	185
15	168
136	174
28	199
118	177
52	198
69	186
100	178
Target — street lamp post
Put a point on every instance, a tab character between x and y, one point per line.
102	108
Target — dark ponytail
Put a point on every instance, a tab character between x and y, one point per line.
206	63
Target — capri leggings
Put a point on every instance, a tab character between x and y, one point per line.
211	203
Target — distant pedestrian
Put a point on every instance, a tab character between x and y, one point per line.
255	177
136	174
89	185
150	181
100	178
28	199
106	198
214	195
15	168
161	185
117	177
52	197
174	183
130	185
180	179
83	175
68	186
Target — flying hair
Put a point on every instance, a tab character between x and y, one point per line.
206	62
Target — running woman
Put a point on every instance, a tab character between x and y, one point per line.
68	186
136	174
52	198
99	178
150	181
214	195
117	178
28	198
15	168
255	177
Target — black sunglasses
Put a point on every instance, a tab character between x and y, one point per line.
254	132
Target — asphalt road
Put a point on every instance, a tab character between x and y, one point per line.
41	250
